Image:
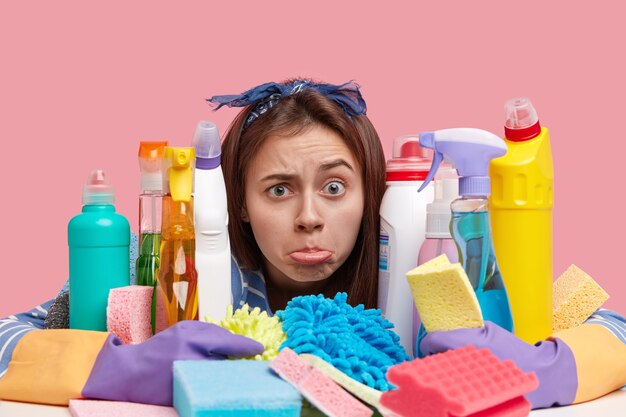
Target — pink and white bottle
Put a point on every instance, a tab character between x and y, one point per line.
438	238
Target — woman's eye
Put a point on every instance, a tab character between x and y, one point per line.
278	190
334	188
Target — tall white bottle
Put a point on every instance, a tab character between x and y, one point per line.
402	230
211	225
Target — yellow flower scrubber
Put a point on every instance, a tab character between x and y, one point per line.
257	325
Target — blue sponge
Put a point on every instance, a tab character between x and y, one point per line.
357	341
232	388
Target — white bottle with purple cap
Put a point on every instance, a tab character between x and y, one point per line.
213	262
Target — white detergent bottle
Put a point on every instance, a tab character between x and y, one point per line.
211	225
402	229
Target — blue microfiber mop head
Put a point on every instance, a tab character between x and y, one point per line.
356	341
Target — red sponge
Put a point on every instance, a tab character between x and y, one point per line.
465	382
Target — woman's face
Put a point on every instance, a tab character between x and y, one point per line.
304	201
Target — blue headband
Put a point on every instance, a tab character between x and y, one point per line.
265	96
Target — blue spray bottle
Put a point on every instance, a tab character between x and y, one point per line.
471	151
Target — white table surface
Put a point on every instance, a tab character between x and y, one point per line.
612	405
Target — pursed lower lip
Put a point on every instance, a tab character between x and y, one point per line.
311	257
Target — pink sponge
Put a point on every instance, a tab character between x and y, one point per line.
462	382
128	313
316	387
90	408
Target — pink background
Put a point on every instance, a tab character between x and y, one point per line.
81	85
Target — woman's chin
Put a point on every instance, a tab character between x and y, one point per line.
310	273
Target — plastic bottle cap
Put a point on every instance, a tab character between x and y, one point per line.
409	161
152	150
98	190
150	162
206	141
522	121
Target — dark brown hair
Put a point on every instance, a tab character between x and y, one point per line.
292	115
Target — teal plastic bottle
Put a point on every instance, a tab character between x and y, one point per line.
98	240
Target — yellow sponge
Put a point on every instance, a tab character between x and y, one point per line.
575	297
444	296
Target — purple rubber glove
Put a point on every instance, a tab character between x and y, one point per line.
142	373
552	361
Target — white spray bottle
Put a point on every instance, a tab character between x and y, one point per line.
213	261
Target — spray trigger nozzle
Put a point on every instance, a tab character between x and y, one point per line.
427	140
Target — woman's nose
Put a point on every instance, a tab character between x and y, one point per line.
309	217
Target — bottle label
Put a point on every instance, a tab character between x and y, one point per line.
384	250
384	253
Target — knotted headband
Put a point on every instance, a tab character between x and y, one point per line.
265	96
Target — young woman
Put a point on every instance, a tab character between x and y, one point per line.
305	175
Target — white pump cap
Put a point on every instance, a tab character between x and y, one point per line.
438	213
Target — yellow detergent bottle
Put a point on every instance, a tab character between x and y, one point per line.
521	219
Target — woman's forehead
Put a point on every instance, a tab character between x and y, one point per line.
317	146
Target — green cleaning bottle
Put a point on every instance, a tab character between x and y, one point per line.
150	209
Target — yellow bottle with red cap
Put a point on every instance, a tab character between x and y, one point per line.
521	219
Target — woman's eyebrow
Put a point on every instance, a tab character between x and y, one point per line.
326	166
279	177
336	163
